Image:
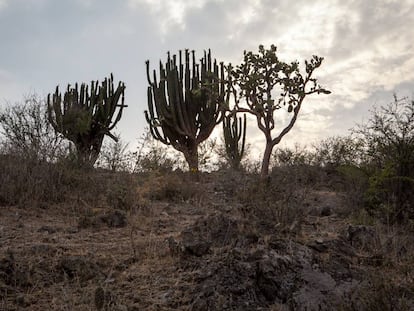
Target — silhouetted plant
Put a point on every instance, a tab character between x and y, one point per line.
84	117
27	132
388	139
258	78
234	133
186	103
115	156
339	150
295	156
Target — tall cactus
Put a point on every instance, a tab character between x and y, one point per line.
85	117
234	132
186	103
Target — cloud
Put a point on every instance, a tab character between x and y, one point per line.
3	4
169	14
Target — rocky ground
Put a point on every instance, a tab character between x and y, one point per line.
206	248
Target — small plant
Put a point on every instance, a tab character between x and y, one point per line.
115	156
276	205
170	187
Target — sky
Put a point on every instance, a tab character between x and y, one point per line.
367	46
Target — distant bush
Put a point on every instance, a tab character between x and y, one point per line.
388	139
115	156
30	183
295	156
153	156
337	151
27	132
171	187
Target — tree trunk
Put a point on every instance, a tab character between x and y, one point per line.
264	173
191	156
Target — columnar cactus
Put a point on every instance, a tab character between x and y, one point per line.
85	117
186	103
234	132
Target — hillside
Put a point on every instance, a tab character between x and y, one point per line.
162	241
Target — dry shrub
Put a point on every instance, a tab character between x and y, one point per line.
28	182
381	293
276	204
122	191
172	187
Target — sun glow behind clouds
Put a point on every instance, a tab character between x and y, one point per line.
169	13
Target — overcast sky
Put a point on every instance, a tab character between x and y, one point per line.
367	45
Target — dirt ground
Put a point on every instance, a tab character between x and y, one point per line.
201	253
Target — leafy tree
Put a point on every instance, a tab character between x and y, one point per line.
259	78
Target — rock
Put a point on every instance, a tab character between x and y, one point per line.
276	277
283	272
215	230
313	294
22	301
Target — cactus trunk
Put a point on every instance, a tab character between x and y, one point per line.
191	156
234	132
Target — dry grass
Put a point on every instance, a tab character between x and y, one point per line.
134	267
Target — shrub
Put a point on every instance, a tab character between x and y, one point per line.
153	156
115	156
172	187
27	132
292	156
337	151
388	139
277	204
